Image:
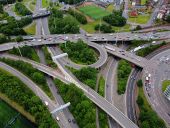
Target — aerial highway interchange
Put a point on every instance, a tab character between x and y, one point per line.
108	47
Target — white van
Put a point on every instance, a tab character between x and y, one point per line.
57	118
46	103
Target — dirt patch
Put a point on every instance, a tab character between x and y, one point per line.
85	4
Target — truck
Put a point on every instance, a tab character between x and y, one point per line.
89	35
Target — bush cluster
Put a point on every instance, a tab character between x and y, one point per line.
58	24
80	17
81	107
79	52
17	91
115	19
124	69
21	9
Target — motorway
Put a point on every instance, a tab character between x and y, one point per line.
96	98
153	90
139	61
123	36
101	102
130	97
110	86
102	59
51	105
65	114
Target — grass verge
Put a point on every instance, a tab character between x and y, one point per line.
124	69
101	89
140	19
103	122
81	107
45	3
30	29
147	117
17	107
35	75
165	84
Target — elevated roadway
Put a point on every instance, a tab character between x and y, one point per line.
153	88
101	60
51	105
137	60
111	110
123	36
43	68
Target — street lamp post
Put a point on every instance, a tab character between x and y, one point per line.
19	50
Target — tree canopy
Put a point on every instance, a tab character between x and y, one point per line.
60	25
17	91
115	19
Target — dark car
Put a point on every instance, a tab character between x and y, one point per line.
74	121
69	120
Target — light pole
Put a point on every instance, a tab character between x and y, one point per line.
19	49
99	25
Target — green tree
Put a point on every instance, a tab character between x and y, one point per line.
139	83
39	77
168	19
140	101
145	124
19	38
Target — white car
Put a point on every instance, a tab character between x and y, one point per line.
46	103
57	118
39	40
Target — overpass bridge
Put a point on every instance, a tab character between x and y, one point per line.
41	14
96	98
137	60
43	68
101	60
123	36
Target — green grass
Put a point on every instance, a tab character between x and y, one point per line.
110	8
7	113
165	84
125	28
101	86
90	26
141	19
143	2
103	122
30	29
45	3
94	12
145	103
32	5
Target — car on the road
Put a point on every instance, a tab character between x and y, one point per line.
74	121
95	38
39	40
69	120
57	118
46	103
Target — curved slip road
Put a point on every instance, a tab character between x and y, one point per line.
36	90
111	110
43	68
